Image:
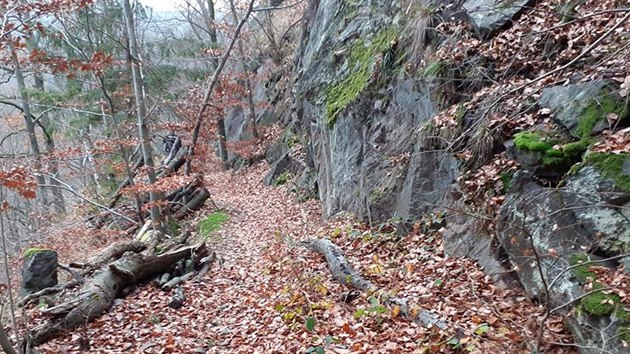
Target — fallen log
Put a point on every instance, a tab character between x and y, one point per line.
113	251
344	273
96	297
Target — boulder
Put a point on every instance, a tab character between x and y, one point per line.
582	108
39	270
544	231
489	16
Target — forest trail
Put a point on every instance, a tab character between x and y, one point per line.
266	294
231	309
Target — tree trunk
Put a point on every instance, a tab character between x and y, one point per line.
145	136
30	126
222	148
58	200
96	297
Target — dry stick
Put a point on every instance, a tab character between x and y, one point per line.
213	82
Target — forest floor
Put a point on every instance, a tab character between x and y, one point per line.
267	294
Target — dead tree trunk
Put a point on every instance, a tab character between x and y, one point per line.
96	296
343	272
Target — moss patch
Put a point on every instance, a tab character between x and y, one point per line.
596	111
582	273
600	304
31	251
282	179
563	154
611	166
212	223
362	57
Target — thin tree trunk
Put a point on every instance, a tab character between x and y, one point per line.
30	126
248	84
212	84
3	334
222	148
145	136
58	200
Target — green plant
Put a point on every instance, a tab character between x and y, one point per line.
212	223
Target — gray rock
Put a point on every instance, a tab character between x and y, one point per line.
570	104
467	236
39	270
372	161
491	15
286	167
558	224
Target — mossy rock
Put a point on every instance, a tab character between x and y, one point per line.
362	64
583	109
600	304
615	167
582	272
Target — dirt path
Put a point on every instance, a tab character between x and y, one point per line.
231	309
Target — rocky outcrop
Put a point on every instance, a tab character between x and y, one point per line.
361	116
546	231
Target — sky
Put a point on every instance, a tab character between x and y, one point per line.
161	5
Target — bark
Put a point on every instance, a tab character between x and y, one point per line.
139	95
344	273
111	252
30	125
222	146
96	297
44	123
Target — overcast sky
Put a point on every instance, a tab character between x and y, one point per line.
161	5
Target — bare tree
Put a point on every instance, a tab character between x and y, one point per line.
139	96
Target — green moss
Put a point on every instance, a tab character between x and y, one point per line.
611	166
531	141
565	154
31	251
624	334
596	111
600	304
282	179
582	272
212	223
362	57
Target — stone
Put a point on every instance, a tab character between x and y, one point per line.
581	108
560	225
489	16
39	270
